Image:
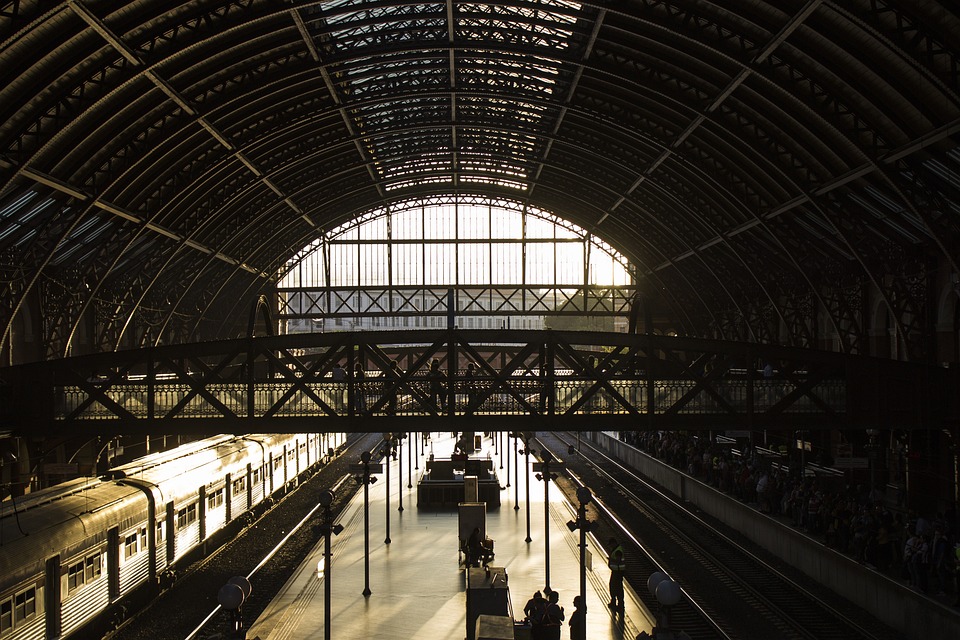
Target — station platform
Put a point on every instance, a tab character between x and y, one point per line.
418	587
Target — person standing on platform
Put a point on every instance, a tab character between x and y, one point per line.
578	620
617	568
553	617
534	610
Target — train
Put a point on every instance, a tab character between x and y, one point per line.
75	552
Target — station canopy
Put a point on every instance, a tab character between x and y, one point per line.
161	161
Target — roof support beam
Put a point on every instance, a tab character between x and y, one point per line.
335	96
114	41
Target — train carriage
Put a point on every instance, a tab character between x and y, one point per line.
69	552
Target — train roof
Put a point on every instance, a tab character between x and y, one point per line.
29	536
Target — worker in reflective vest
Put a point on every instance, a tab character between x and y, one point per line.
617	568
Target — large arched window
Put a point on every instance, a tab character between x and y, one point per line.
395	268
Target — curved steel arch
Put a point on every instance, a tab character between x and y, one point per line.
181	136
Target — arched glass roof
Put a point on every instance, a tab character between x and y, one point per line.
446	242
775	170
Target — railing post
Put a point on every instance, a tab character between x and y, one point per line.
250	377
651	372
151	387
551	377
452	369
751	359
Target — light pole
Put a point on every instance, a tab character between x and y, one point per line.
326	499
584	496
385	452
231	597
668	594
365	468
410	447
507	436
398	456
527	436
516	472
546	476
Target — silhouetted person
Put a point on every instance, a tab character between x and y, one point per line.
477	551
578	620
553	618
438	394
359	399
617	568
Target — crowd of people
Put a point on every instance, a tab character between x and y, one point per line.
922	550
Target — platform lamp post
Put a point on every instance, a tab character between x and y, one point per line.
527	436
410	447
231	597
584	496
398	456
327	528
667	593
386	452
364	469
507	439
516	472
545	475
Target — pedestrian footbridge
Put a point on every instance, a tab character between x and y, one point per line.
488	380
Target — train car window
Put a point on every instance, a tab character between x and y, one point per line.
239	486
277	464
25	606
6	615
143	537
256	475
75	577
290	454
93	567
215	499
84	572
187	516
159	532
130	546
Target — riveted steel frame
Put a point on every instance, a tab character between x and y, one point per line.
190	153
569	380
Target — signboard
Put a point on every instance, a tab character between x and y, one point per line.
554	465
375	467
850	463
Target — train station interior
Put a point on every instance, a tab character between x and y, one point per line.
707	248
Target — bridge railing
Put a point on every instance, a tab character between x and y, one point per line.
597	379
520	396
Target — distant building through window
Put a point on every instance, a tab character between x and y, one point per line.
391	268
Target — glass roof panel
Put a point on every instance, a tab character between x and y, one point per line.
413	47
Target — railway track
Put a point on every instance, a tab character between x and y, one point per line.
742	591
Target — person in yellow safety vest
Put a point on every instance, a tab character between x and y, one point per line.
617	568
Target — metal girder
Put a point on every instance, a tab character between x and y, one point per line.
673	129
275	383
